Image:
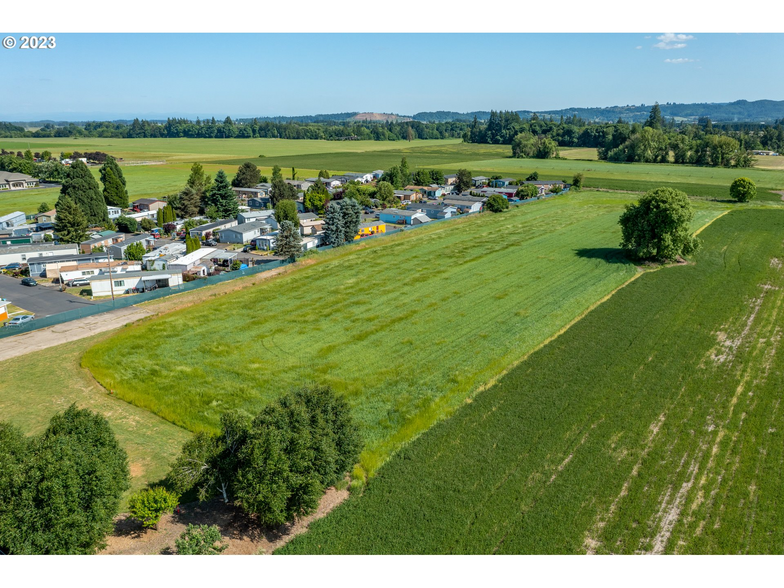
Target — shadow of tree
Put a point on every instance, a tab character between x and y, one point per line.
607	254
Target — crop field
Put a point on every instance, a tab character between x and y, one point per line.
407	326
37	385
695	181
175	156
653	425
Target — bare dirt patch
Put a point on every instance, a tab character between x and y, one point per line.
242	532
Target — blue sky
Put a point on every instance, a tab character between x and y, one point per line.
102	76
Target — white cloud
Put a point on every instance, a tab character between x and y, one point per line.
672	41
638	47
679	60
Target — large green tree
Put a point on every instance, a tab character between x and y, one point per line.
286	210
200	183
316	197
83	189
281	191
248	175
189	202
497	203
386	194
222	197
60	491
288	243
115	191
743	189
463	181
334	234
135	251
352	218
70	222
658	226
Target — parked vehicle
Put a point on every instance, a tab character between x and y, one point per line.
210	242
77	282
19	321
13	266
29	282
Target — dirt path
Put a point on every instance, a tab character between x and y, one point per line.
243	535
66	332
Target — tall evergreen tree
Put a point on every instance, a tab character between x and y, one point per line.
200	183
222	197
281	191
115	191
190	202
83	189
333	225
248	175
655	120
70	222
352	217
288	243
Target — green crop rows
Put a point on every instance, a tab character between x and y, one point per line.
654	424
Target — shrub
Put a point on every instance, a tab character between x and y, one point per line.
527	191
200	540
743	189
149	505
497	203
577	181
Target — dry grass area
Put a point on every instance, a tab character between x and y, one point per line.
241	532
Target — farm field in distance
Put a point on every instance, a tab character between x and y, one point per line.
394	326
174	158
653	425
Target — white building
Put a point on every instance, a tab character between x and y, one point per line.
86	270
23	253
102	285
187	262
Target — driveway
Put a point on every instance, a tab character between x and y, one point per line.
40	300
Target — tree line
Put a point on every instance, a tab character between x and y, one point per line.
657	140
253	128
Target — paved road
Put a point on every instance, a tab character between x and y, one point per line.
71	331
40	300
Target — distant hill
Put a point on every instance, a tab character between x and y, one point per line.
738	111
379	117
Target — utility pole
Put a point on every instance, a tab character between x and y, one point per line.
111	280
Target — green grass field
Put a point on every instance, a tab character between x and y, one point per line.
177	155
37	385
653	425
407	328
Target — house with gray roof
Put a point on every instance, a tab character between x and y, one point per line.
16	181
245	232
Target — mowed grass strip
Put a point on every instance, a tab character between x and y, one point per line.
407	327
38	385
653	425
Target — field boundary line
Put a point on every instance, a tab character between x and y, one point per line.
579	317
710	222
554	336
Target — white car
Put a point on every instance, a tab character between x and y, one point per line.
19	321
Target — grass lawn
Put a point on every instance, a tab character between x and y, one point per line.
37	385
407	327
653	425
